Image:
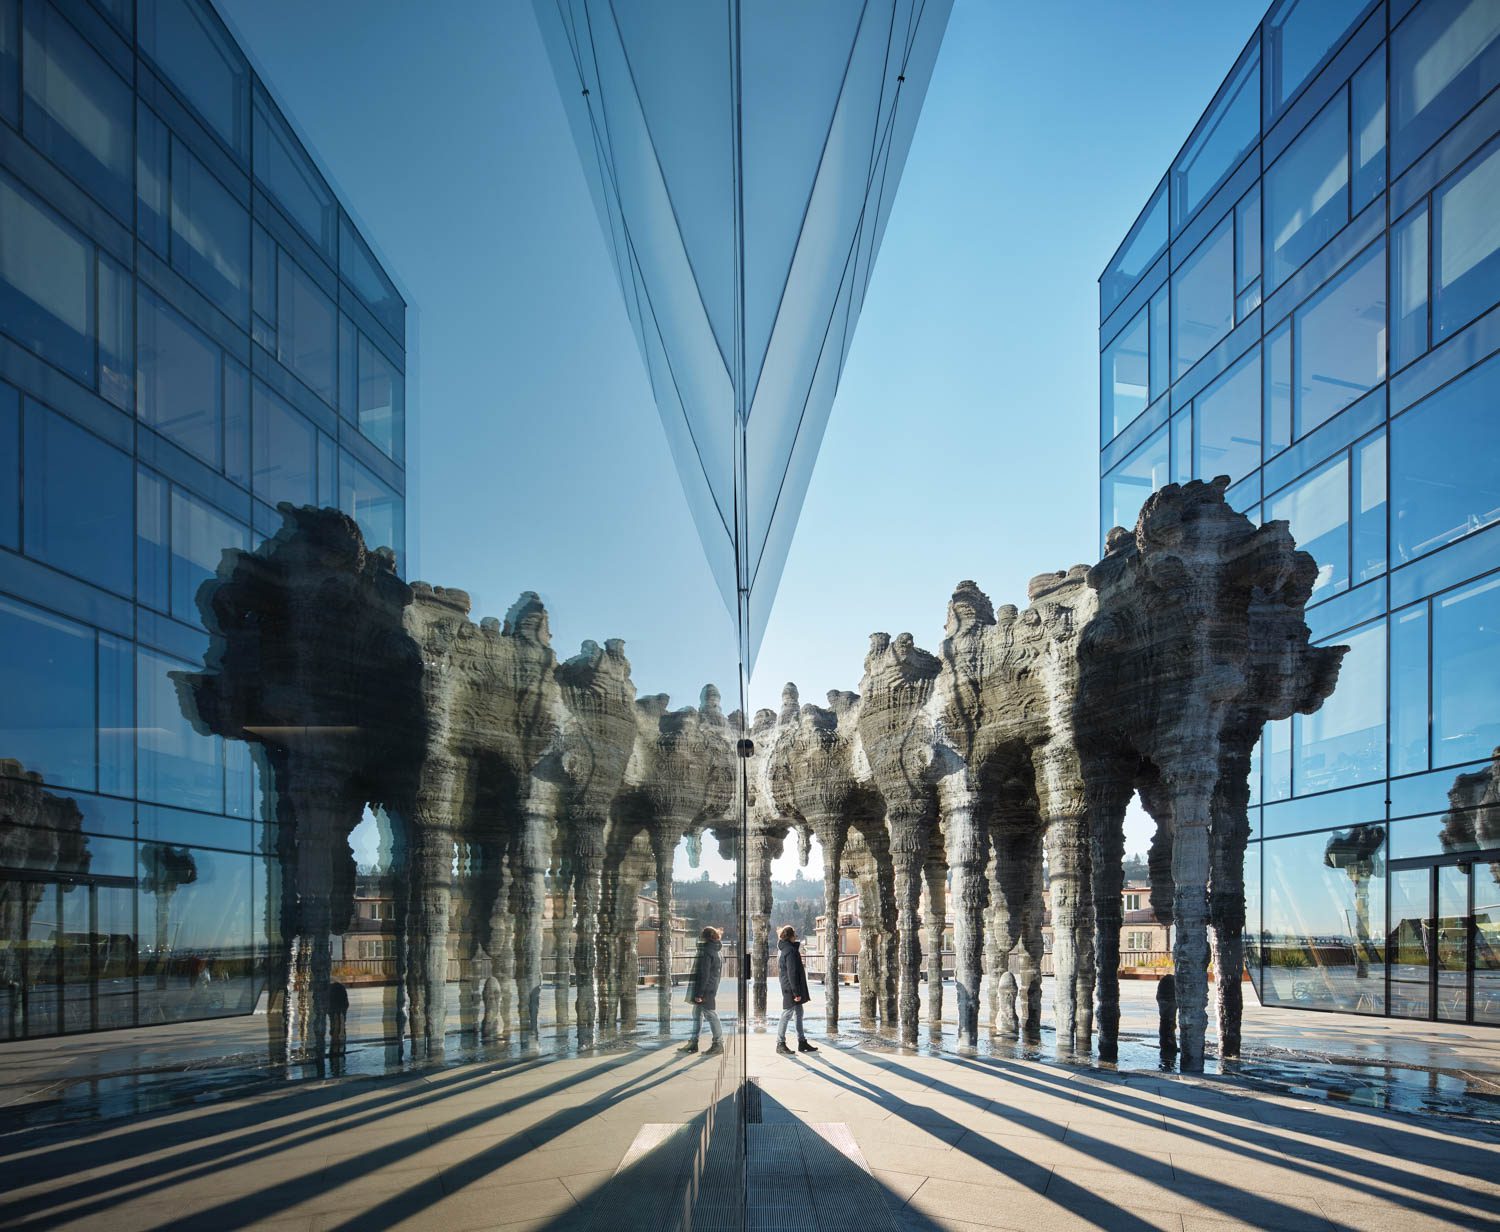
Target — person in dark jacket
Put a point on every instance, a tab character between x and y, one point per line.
793	989
703	989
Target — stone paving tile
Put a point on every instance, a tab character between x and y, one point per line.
1364	1217
899	1186
988	1206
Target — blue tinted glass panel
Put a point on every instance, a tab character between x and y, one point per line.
1247	239
1124	490
10	61
47	706
153	153
1340	341
284	168
1409	636
1367	531
1323	920
1343	742
1307	192
1367	125
1278	390
116	333
1466	245
284	450
1445	57
212	914
152	542
10	468
1299	35
200	535
1182	446
1445	482
1147	241
1317	507
175	764
210	235
381	400
364	274
1276	743
178	385
263	276
1409	288
1203	298
117	726
1230	128
46	283
1124	377
1161	343
1466	673
201	62
373	504
236	422
307	329
1227	432
77	111
79	498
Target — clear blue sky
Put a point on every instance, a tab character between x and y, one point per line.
964	441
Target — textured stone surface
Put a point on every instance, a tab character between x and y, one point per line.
945	779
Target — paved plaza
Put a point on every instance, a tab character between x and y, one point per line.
859	1134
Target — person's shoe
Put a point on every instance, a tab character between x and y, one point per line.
804	1046
690	1046
782	1049
714	1049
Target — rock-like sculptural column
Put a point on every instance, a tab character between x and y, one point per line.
683	775
814	781
597	738
1199	639
309	659
897	735
765	840
1008	774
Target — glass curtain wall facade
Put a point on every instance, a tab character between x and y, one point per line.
192	331
1308	305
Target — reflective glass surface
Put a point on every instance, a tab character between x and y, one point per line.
1230	128
46	282
1344	742
1466	673
1317	507
1444	483
1307	192
1203	298
1147	241
1324	902
1226	433
178	385
1124	489
1466	245
306	329
1444	57
201	63
1339	340
294	183
210	235
1299	35
1124	376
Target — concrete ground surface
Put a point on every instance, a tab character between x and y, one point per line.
927	1139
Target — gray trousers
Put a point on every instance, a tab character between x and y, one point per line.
699	1013
786	1017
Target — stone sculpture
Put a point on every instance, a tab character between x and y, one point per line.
947	778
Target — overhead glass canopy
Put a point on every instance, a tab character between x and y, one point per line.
743	160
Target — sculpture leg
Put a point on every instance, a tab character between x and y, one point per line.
1190	858
1031	942
664	850
1229	835
1107	834
562	946
833	855
908	888
869	945
1159	862
1067	864
605	948
937	921
968	946
436	856
587	861
1083	1033
531	894
758	906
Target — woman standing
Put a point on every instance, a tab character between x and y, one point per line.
703	990
793	989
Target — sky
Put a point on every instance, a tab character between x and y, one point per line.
964	439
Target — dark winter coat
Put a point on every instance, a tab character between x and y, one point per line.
708	969
793	974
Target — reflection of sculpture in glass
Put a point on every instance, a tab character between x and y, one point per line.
504	771
40	834
1357	852
165	869
1472	822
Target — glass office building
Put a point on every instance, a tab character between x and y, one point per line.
1308	305
192	331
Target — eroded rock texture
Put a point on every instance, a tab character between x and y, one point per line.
513	781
